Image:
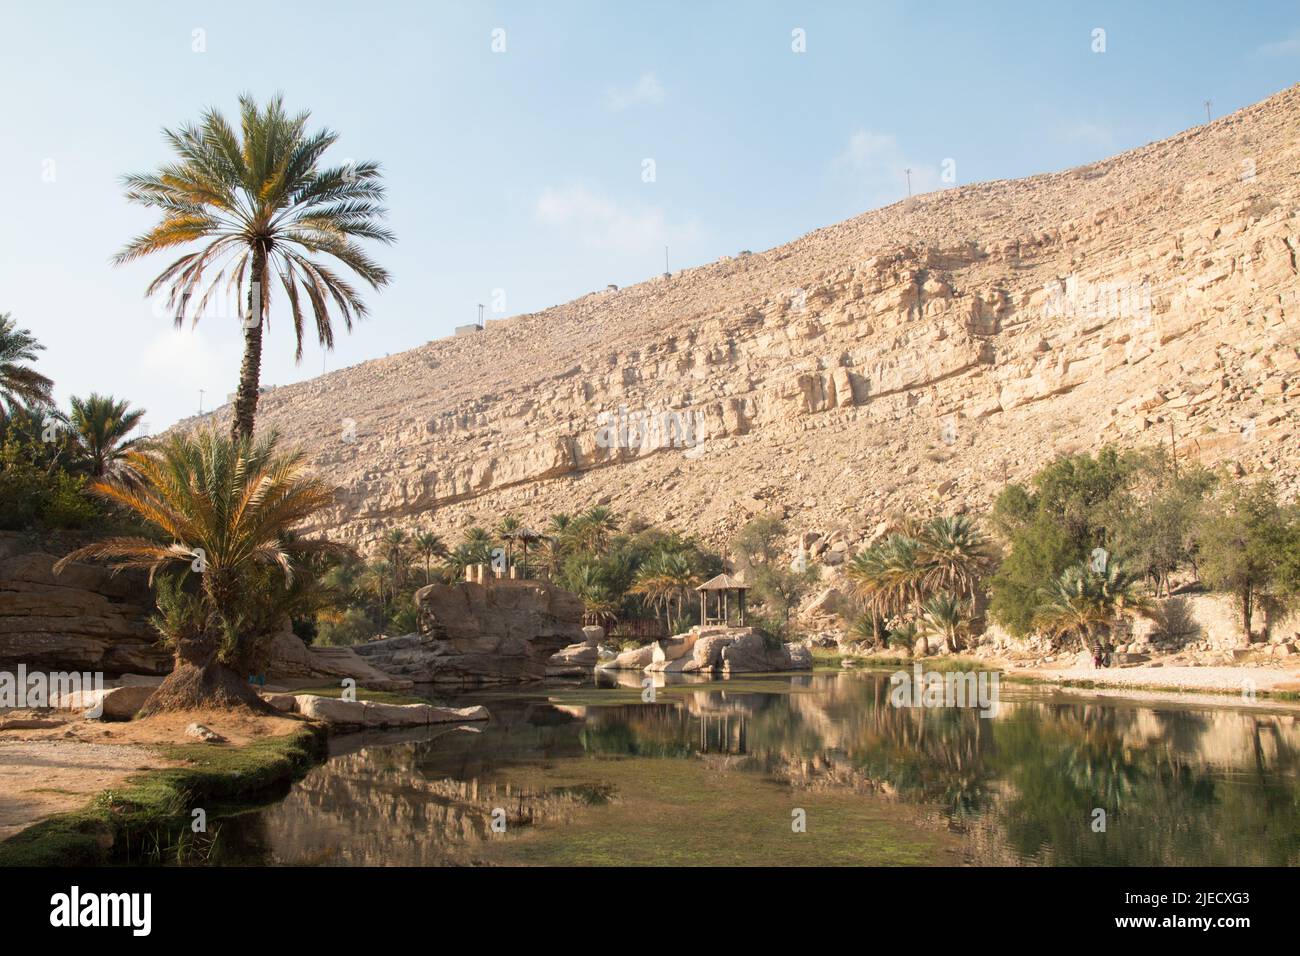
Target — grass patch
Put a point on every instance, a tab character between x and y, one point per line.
945	663
104	831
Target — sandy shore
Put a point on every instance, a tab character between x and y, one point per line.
1228	680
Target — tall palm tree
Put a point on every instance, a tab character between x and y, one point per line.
956	555
429	546
597	524
654	585
20	384
395	545
506	529
888	578
226	511
263	208
100	425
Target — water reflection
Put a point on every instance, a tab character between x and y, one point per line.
1178	786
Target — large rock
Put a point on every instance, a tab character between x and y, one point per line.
108	703
576	660
635	659
85	619
471	634
291	658
364	713
743	650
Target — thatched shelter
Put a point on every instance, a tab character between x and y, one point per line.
721	587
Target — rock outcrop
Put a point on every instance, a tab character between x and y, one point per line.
84	619
915	357
719	651
470	634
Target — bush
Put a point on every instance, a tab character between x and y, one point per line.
344	629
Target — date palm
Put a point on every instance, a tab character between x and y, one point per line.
1084	603
429	546
225	512
956	555
20	384
947	617
100	425
263	209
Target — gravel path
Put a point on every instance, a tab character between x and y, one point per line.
1227	679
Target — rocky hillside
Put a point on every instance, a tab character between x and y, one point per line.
916	356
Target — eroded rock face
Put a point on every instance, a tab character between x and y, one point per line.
500	632
83	619
915	357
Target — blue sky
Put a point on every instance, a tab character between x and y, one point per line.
517	178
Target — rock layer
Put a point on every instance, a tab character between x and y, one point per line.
916	356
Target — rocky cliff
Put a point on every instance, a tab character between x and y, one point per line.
918	355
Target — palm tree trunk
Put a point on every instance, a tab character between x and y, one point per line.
250	369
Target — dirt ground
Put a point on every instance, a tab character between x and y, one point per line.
51	762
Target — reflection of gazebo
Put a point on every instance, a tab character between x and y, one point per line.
721	586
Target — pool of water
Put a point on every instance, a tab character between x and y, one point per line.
817	768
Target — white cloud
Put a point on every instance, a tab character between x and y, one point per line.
879	165
602	221
1088	134
1287	47
646	90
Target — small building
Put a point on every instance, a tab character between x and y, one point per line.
721	588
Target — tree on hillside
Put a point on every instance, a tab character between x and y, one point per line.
226	511
760	541
20	384
265	211
947	617
1243	543
100	425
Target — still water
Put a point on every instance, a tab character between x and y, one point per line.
811	769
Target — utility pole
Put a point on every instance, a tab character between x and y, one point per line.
667	273
480	315
1207	111
200	401
909	183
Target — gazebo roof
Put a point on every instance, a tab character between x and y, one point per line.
723	582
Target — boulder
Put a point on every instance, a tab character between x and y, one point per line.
206	734
594	634
636	659
369	714
576	660
109	703
473	634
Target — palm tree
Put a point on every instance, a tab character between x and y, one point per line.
20	384
100	425
429	546
956	556
888	578
226	511
506	529
597	524
396	543
1084	603
946	616
263	208
599	605
654	585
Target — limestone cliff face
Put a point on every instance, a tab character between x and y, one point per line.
83	619
916	356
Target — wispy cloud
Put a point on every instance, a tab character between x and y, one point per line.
648	89
1290	46
599	220
879	165
1087	134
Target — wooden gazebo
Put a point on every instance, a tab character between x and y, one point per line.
721	587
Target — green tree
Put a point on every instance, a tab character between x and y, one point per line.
429	546
20	384
1084	602
1243	540
264	209
100	425
947	617
226	512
